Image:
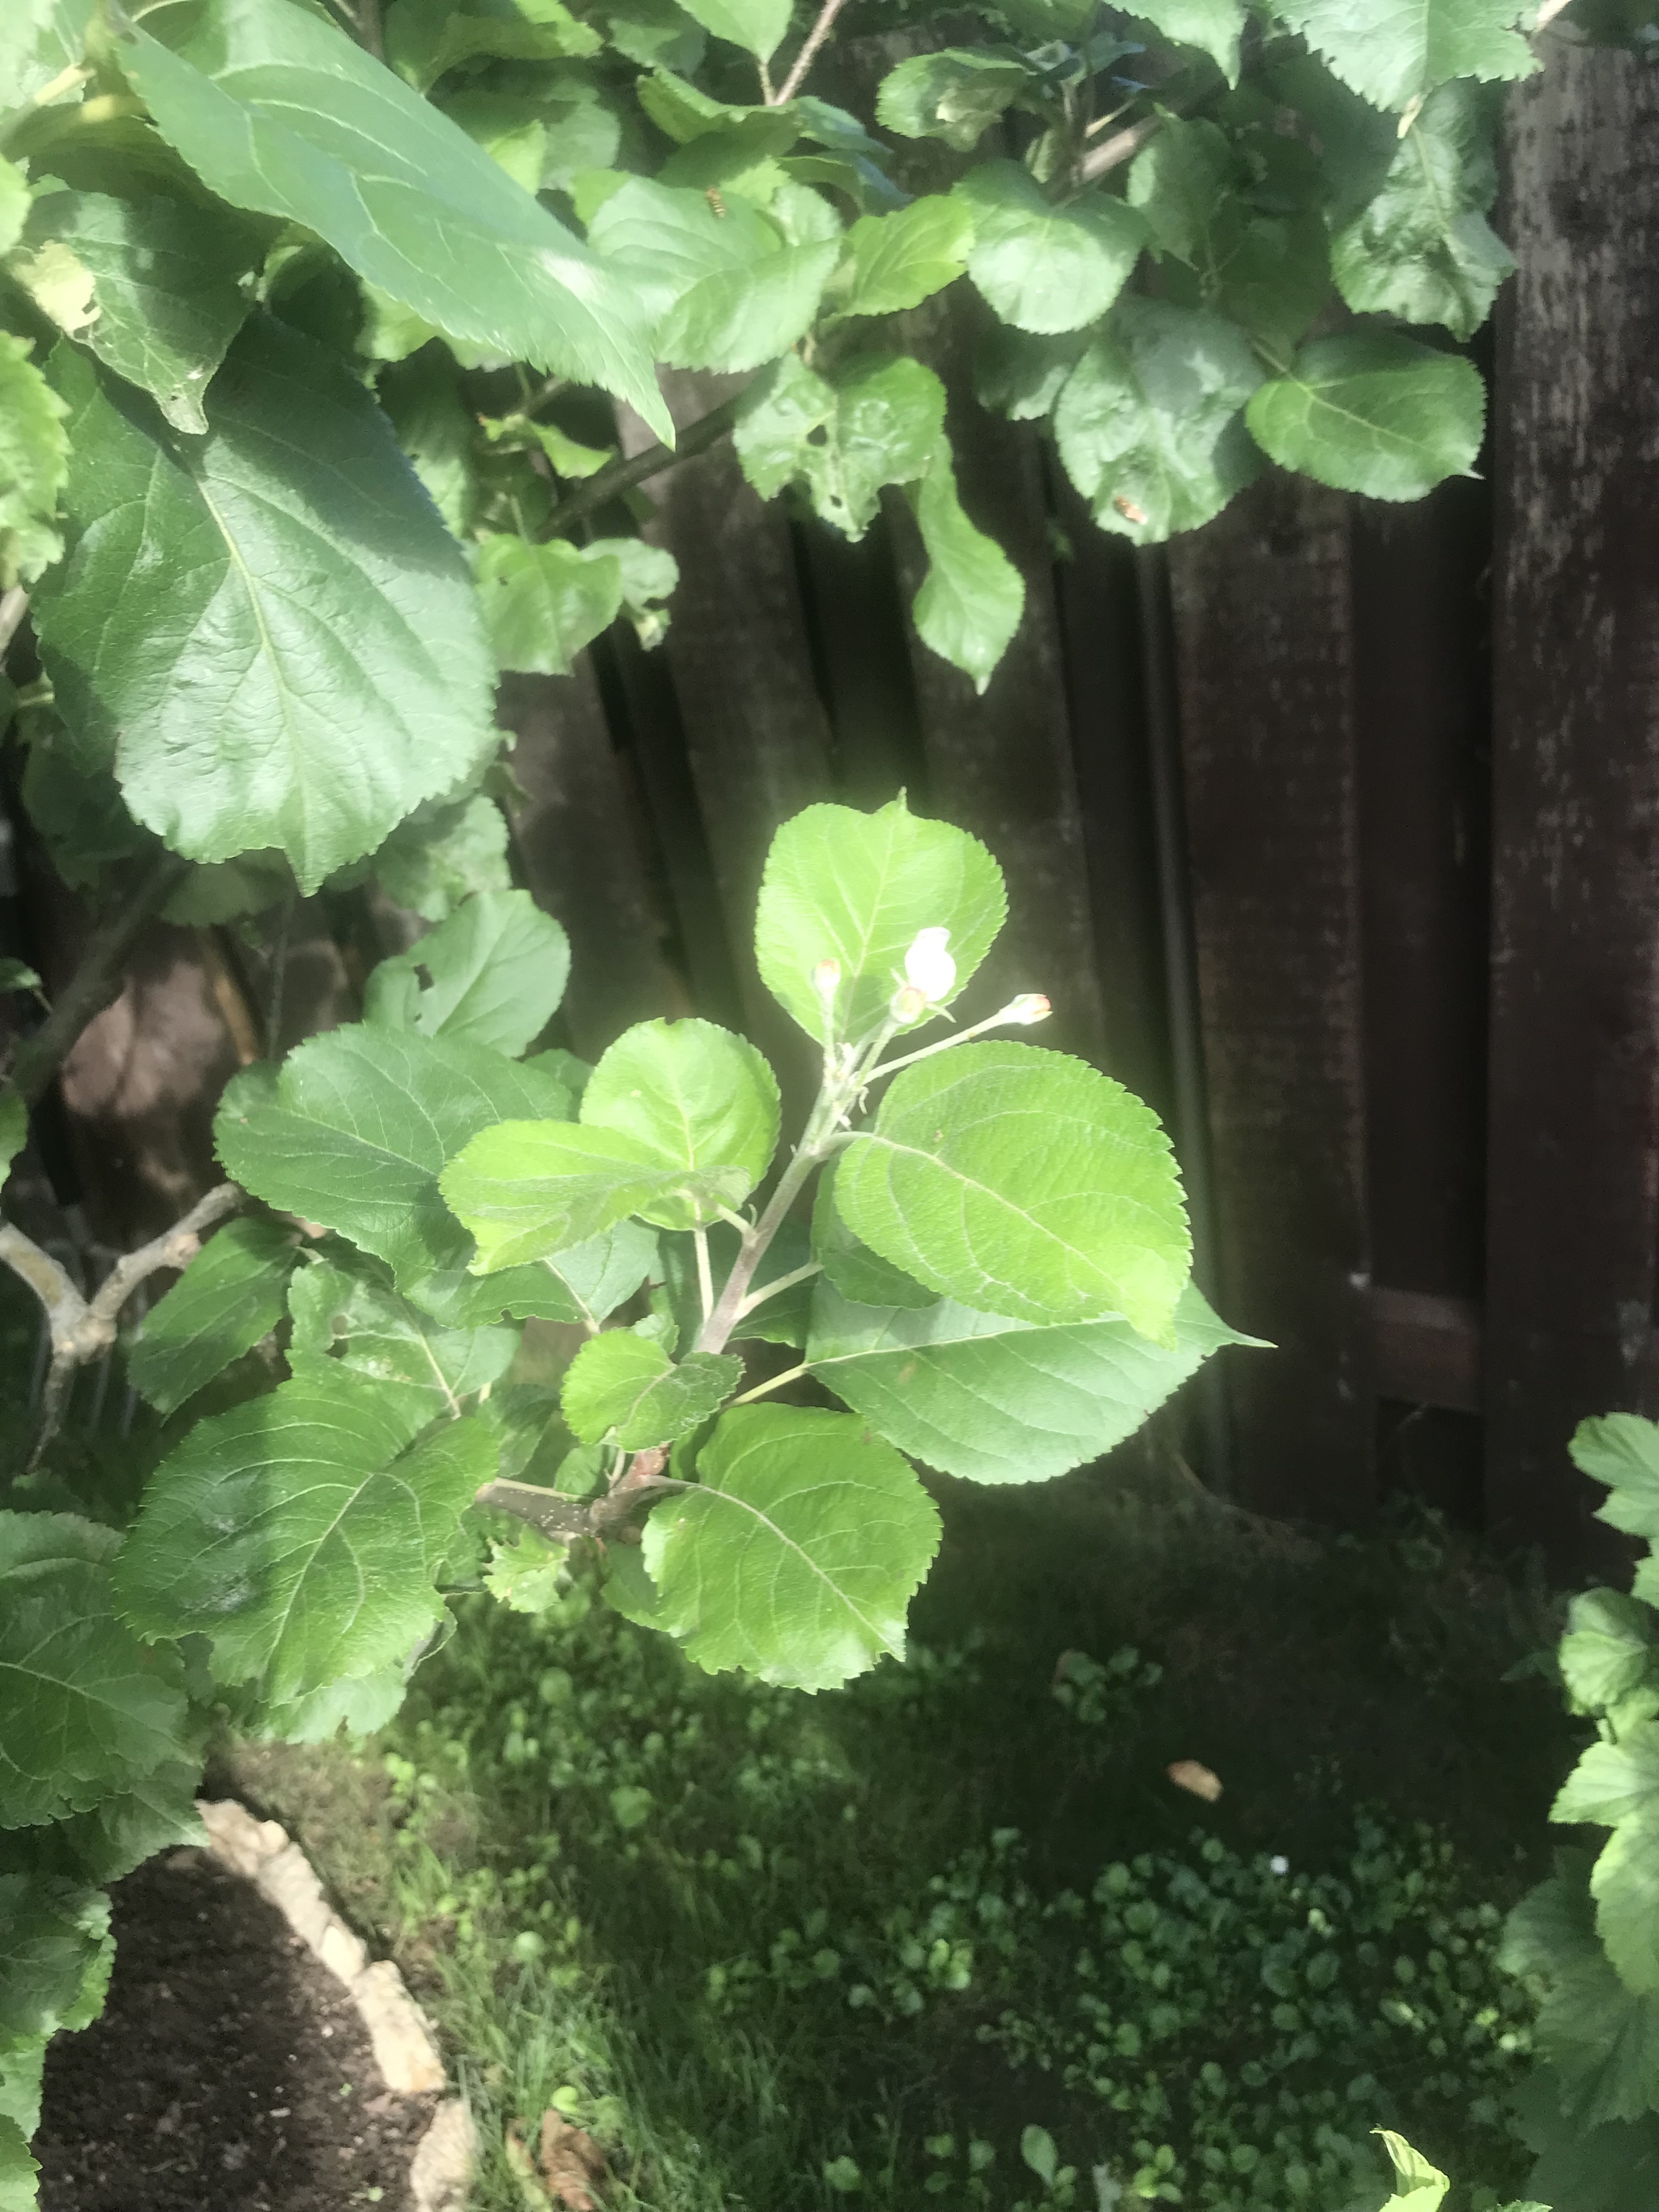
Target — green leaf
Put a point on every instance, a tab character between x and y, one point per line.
362	1703
542	602
1214	26
120	1833
625	1387
1045	267
1357	143
1622	1451
527	1575
797	1552
698	1098
15	203
1024	1183
1149	424
14	1128
229	1297
756	24
972	598
1626	1887
1391	56
1423	249
423	400
584	1284
34	454
655	33
84	1711
856	888
1609	1651
55	1952
279	111
1000	1401
1418	2186
444	855
880	422
427	38
354	1130
239	715
529	1190
1612	1781
861	1276
1599	2040
955	96
351	1310
724	292
17	2169
894	262
1021	376
1179	182
531	1439
157	281
510	128
1037	2151
491	976
1373	413
292	1534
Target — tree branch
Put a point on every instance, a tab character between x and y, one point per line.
808	54
618	477
95	982
83	1329
1122	146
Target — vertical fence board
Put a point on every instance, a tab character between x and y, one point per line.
756	732
580	849
1574	1154
1001	765
1264	654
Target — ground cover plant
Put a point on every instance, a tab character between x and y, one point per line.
766	1950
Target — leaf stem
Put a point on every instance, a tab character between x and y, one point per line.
620	476
95	982
815	1143
777	1382
1122	146
778	1284
808	54
14	606
705	1273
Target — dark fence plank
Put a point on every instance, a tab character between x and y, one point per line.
1001	765
756	732
1574	1152
578	845
1264	653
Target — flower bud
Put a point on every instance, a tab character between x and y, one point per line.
928	967
1031	1006
908	1004
826	981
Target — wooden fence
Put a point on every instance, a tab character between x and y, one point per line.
1330	829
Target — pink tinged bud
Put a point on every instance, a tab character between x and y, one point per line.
1030	1007
928	967
908	1004
826	979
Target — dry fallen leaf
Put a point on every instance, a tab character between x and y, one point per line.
1188	1774
572	2165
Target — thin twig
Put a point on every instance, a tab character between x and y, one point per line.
278	978
83	1329
774	1383
14	606
1122	146
95	982
621	475
779	1284
808	54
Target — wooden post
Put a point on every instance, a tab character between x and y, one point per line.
1573	1193
1264	661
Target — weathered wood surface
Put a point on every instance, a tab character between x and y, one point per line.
756	736
580	844
1573	1188
1264	653
1001	765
